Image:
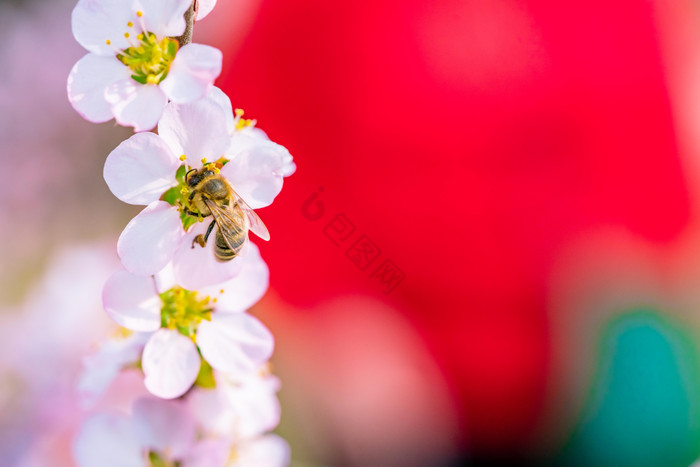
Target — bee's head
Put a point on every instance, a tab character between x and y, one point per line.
193	177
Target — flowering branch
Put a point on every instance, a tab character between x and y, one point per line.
189	272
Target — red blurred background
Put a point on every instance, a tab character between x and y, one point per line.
471	142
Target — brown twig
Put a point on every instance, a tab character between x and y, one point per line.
190	15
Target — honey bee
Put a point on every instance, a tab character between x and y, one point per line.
211	194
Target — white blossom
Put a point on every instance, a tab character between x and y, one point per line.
184	323
134	65
102	367
238	409
168	432
164	428
145	167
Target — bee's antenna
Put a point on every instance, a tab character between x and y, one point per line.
188	172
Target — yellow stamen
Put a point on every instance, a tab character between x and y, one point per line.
140	37
183	157
122	333
152	79
204	160
126	34
239	112
108	42
221	291
130	24
139	13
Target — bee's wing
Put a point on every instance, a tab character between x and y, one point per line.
255	224
229	226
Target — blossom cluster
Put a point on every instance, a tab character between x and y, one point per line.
189	271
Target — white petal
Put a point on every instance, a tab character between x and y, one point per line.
256	404
131	301
96	21
164	426
149	241
220	98
141	169
107	440
101	368
268	451
164	18
197	267
165	278
204	7
192	73
234	343
246	288
256	169
135	104
197	130
252	132
209	453
87	83
211	410
170	364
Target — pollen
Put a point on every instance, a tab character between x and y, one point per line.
122	333
183	310
239	112
204	160
108	42
130	24
148	58
183	157
243	123
139	13
221	291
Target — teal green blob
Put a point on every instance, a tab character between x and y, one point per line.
643	406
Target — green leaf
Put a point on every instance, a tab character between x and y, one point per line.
180	174
205	378
184	330
139	78
171	196
188	221
156	460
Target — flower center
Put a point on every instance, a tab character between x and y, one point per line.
184	310
148	58
179	195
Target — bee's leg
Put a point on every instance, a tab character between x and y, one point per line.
209	229
200	239
195	214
